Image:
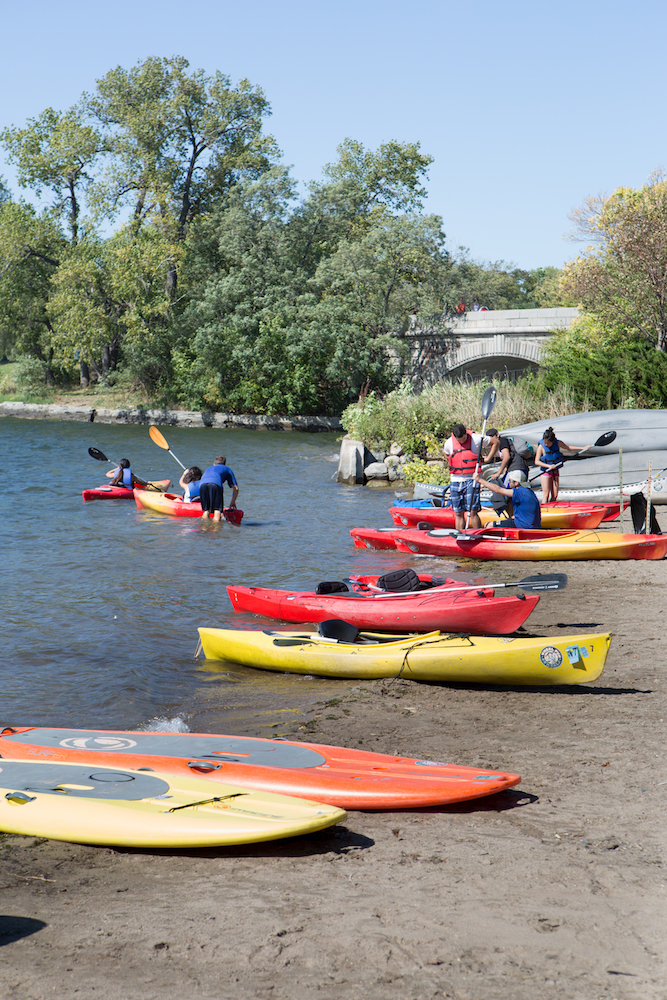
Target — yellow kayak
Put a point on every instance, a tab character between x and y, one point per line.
91	804
434	656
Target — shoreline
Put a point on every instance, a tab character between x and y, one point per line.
550	890
169	418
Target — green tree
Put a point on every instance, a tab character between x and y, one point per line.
56	151
621	278
110	294
31	248
176	141
604	367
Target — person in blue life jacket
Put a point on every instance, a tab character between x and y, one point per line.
525	505
549	457
123	476
190	482
211	488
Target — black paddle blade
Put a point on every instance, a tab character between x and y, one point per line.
99	455
489	401
605	439
542	581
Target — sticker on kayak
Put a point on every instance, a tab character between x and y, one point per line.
551	657
431	763
576	653
99	743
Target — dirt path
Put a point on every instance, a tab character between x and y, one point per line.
549	892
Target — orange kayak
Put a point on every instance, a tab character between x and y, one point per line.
523	543
174	505
349	779
586	516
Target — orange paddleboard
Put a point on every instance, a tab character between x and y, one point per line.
350	779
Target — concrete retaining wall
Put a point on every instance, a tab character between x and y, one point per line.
169	418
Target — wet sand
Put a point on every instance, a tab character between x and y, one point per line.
554	890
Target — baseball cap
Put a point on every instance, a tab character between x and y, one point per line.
517	476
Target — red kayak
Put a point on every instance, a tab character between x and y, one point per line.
174	505
375	538
554	515
476	610
119	492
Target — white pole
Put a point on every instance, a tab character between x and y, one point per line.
620	482
647	526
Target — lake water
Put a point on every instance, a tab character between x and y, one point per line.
101	601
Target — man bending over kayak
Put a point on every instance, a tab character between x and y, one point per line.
525	505
210	488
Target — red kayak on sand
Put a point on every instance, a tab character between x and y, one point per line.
174	505
476	611
120	492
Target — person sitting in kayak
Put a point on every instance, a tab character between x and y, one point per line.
210	488
525	505
123	476
189	482
549	457
462	452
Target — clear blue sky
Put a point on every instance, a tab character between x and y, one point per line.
527	107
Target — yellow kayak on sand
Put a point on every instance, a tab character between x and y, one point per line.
434	656
121	807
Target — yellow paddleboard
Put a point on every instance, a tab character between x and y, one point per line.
89	804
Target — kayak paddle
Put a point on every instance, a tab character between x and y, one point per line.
160	440
100	456
542	581
607	438
488	402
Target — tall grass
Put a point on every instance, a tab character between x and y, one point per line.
419	421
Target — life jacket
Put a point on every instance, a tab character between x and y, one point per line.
463	460
126	481
551	455
192	491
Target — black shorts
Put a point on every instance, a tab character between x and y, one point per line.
210	495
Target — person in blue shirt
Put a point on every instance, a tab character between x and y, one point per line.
211	488
525	505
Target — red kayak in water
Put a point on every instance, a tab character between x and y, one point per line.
438	606
119	492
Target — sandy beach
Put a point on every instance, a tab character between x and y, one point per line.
552	890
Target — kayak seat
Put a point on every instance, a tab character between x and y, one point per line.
335	628
332	587
400	581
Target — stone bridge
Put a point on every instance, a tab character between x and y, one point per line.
485	343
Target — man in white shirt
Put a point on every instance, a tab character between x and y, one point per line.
462	452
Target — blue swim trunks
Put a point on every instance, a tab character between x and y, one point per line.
465	496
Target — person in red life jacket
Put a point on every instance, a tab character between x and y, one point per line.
461	307
210	488
462	451
123	476
526	511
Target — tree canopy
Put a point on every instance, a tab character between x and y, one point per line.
175	252
621	278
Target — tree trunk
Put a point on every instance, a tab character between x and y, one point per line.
113	353
106	360
85	374
48	370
